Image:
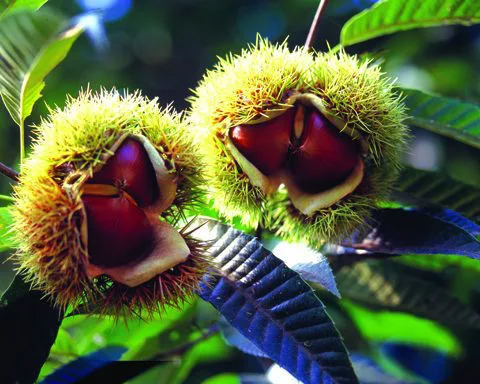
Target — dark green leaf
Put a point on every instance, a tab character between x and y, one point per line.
390	16
419	187
31	47
273	307
453	118
390	285
404	231
28	327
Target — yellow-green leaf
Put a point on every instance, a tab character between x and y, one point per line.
390	16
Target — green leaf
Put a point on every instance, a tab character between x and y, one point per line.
28	327
389	285
6	241
6	198
404	328
31	47
223	378
417	187
453	118
390	16
10	6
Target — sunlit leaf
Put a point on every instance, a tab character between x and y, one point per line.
421	188
225	378
83	366
399	231
453	118
381	326
390	16
6	241
309	264
10	6
6	198
389	285
28	327
31	45
273	307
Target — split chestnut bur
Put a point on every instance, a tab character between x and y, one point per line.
99	203
115	197
302	143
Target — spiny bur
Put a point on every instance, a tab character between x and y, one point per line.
100	205
299	142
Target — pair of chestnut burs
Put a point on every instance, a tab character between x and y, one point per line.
302	144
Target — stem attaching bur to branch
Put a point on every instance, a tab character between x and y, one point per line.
314	27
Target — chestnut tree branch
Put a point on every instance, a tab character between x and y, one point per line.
314	27
9	172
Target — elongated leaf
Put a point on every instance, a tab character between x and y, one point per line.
369	372
432	365
389	285
234	338
390	16
399	231
421	188
309	264
10	6
30	47
381	326
28	327
6	241
273	307
453	118
80	368
6	198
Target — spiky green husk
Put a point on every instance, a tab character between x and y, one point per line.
238	90
48	209
260	80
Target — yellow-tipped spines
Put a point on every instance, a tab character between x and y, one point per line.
260	84
70	145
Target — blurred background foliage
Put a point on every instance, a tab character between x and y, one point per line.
163	47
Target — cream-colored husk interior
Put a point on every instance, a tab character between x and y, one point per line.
306	203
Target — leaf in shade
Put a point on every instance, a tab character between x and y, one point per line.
235	339
273	307
452	217
417	187
390	16
85	365
28	327
31	46
390	285
309	264
381	326
369	372
453	118
6	242
427	363
397	231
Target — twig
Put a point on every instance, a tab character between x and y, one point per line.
187	346
9	172
313	28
